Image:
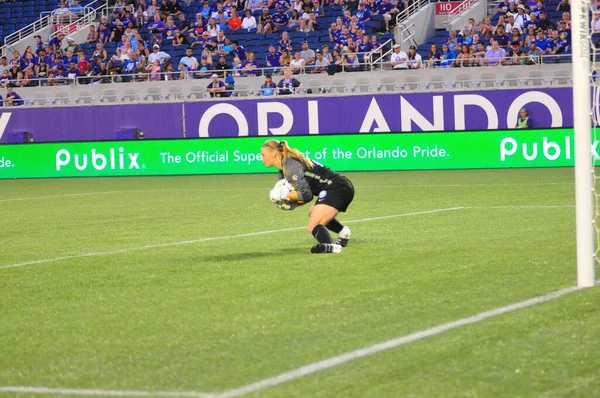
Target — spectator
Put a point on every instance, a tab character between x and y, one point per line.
212	28
280	18
539	8
545	23
399	58
222	66
595	28
321	63
14	70
12	98
197	28
515	56
516	37
83	63
72	46
486	30
555	44
56	42
221	19
434	57
268	88
565	34
479	54
238	51
216	88
253	5
464	59
251	66
39	44
508	27
73	73
189	60
141	19
521	18
541	42
92	36
523	121
363	14
235	22
288	85
118	33
179	39
414	60
154	69
41	70
503	7
530	38
307	54
62	13
494	56
294	20
103	33
175	8
249	21
297	64
4	66
566	18
273	57
533	21
309	24
563	6
157	26
100	51
205	67
501	37
170	29
158	55
285	43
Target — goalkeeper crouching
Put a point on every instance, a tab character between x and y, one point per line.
334	193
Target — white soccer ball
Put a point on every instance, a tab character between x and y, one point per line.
284	187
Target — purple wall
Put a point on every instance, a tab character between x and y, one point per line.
474	110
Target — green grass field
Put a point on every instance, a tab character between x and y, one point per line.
201	284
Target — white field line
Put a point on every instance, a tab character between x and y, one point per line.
262	189
307	369
387	345
103	393
209	239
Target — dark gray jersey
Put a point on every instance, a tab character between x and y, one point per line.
308	182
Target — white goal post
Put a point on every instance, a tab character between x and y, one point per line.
582	118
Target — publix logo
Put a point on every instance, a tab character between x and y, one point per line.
115	159
551	150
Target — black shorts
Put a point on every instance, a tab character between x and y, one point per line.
338	195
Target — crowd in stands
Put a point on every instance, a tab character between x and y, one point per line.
144	40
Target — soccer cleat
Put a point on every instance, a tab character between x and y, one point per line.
322	248
343	237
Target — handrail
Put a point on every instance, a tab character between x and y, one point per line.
458	10
403	82
27	31
411	9
87	17
412	31
383	54
45	20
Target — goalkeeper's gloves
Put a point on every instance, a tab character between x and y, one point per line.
277	195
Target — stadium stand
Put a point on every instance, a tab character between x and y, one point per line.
145	42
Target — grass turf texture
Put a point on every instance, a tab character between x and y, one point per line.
214	315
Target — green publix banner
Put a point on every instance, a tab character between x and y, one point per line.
355	152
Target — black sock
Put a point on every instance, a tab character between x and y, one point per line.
322	234
335	226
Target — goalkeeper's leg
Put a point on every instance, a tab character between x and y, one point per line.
320	216
342	231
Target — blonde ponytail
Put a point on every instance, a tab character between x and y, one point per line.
287	151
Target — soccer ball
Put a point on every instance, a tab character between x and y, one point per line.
284	187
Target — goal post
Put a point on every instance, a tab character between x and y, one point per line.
582	118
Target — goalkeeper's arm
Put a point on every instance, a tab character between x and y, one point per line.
294	172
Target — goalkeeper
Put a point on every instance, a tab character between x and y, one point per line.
334	193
